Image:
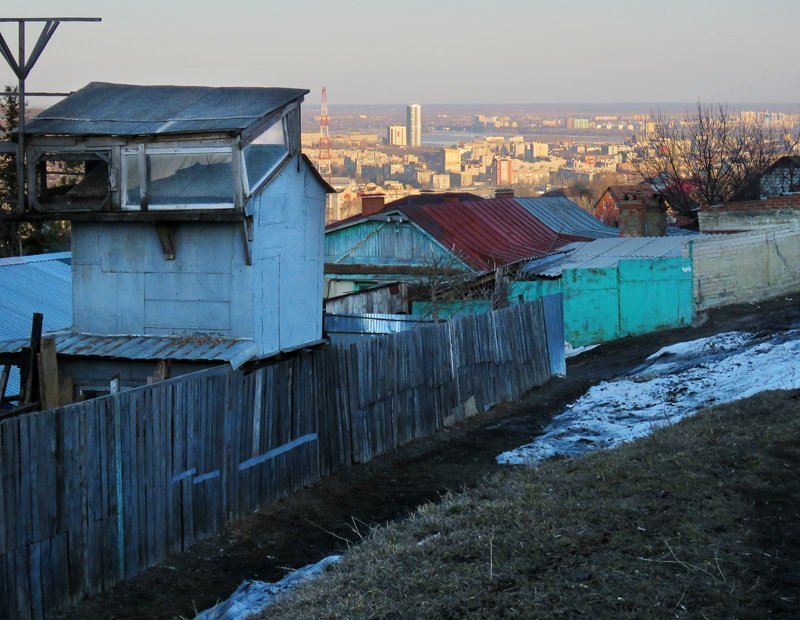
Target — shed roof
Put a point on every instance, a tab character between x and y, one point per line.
101	108
562	215
605	253
183	348
28	284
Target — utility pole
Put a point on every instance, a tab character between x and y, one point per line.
21	66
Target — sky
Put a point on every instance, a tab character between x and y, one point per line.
430	51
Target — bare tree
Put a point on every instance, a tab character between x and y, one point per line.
709	157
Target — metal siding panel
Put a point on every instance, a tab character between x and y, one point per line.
553	306
591	305
187	315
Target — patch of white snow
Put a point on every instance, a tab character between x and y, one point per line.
253	597
678	381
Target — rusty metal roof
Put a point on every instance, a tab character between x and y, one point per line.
184	348
487	233
101	108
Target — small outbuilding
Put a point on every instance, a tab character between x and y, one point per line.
197	226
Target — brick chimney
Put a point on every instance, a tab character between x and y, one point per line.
644	215
504	193
372	203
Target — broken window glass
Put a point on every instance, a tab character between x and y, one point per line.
72	181
264	154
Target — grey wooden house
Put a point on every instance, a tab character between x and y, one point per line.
197	226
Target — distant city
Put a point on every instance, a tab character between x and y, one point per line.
397	151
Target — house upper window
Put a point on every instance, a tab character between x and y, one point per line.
72	181
266	151
178	178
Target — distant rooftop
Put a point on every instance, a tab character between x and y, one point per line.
101	108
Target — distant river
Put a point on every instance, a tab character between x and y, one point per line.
450	138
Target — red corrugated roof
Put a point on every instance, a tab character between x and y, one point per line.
487	233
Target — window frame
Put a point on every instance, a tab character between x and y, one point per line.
52	153
143	150
250	189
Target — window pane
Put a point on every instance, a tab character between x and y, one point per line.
133	194
190	179
264	153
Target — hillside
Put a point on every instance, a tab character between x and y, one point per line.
698	519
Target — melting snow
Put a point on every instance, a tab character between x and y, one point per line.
675	382
254	596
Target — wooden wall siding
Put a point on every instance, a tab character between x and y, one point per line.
101	490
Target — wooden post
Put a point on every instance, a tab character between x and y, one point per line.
48	374
118	476
30	362
4	381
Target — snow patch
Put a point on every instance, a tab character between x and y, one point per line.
253	597
675	382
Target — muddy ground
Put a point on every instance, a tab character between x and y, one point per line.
324	518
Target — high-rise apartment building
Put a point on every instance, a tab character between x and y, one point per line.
451	160
414	124
503	171
397	135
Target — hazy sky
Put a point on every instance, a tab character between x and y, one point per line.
432	51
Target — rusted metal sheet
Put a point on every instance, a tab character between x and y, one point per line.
488	233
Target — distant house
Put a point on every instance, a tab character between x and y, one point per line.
197	227
606	209
409	241
782	177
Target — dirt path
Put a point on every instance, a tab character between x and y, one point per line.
322	519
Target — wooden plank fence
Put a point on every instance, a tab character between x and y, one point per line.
99	491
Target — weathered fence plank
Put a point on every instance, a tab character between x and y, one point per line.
100	490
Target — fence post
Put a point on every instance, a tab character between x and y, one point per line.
118	470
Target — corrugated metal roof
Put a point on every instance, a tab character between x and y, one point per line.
561	215
184	348
28	284
606	253
487	233
101	108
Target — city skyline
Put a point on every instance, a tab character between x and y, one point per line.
557	52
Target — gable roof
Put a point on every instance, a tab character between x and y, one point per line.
562	215
487	233
101	108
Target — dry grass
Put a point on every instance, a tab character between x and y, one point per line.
698	520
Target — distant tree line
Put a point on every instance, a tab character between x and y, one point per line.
19	238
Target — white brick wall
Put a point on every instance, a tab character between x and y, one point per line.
746	267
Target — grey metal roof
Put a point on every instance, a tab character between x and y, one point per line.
185	348
105	109
28	284
563	216
605	253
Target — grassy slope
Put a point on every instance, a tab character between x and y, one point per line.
700	519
